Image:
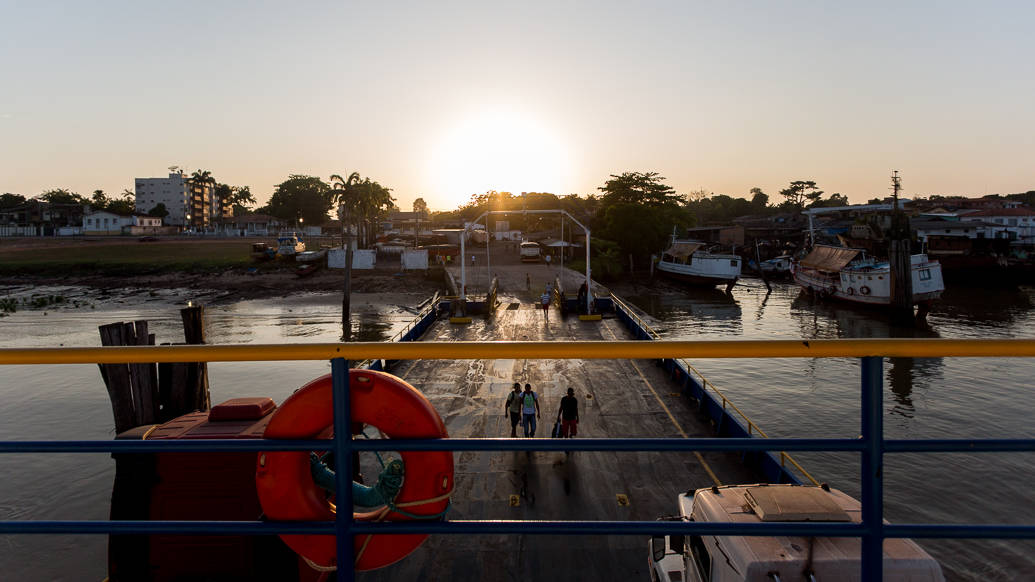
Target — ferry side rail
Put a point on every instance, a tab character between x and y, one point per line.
870	445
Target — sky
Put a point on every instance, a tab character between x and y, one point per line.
443	100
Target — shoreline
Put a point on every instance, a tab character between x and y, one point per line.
238	284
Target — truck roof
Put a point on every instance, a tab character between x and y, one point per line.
831	558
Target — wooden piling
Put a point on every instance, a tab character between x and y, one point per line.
144	394
131	387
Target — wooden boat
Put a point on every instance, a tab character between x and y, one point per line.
777	267
686	261
849	275
311	256
289	246
262	252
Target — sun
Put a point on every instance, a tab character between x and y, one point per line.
500	150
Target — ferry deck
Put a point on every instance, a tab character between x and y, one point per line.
617	399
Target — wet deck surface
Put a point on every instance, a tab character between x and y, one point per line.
617	398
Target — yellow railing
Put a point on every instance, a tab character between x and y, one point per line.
604	350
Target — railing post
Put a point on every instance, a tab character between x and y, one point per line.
343	465
872	468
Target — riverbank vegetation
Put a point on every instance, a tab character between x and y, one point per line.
99	257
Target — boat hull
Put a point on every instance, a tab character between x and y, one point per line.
871	286
701	268
697	279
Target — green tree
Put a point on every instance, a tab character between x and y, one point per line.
202	178
801	191
238	198
359	201
642	230
759	200
9	200
638	188
420	209
62	196
159	211
241	199
223	192
836	199
125	204
306	197
638	210
99	200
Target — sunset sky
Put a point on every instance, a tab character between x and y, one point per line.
446	99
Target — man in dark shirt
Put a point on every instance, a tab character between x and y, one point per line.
569	415
513	408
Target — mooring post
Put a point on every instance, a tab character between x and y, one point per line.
197	395
131	387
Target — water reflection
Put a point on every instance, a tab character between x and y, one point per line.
840	320
715	310
988	307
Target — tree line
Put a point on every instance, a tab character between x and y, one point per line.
635	213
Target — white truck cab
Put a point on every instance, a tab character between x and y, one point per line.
777	559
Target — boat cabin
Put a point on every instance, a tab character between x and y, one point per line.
786	558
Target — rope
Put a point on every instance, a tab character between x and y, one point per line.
384	511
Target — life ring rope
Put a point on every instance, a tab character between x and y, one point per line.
288	491
380	517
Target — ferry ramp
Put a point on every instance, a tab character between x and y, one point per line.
617	399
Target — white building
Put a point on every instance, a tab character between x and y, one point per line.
104	222
189	205
1011	223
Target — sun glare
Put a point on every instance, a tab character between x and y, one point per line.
497	150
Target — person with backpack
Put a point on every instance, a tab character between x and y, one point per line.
513	408
568	415
529	411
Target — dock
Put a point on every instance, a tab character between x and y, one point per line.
617	399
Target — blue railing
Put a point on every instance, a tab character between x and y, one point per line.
871	446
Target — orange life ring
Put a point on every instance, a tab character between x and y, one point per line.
285	485
851	290
864	290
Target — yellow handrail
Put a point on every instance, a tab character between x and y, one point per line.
840	348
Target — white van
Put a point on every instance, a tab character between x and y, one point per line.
777	559
530	252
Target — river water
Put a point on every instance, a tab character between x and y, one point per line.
924	398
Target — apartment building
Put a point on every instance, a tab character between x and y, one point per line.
190	205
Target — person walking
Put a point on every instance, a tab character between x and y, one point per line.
513	408
568	414
544	299
529	411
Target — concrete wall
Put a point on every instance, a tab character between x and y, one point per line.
361	259
415	259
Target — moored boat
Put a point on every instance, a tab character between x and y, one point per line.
289	246
849	275
311	256
686	261
777	267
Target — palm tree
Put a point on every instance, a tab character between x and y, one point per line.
420	208
200	178
343	195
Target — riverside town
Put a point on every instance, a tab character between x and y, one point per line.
663	292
